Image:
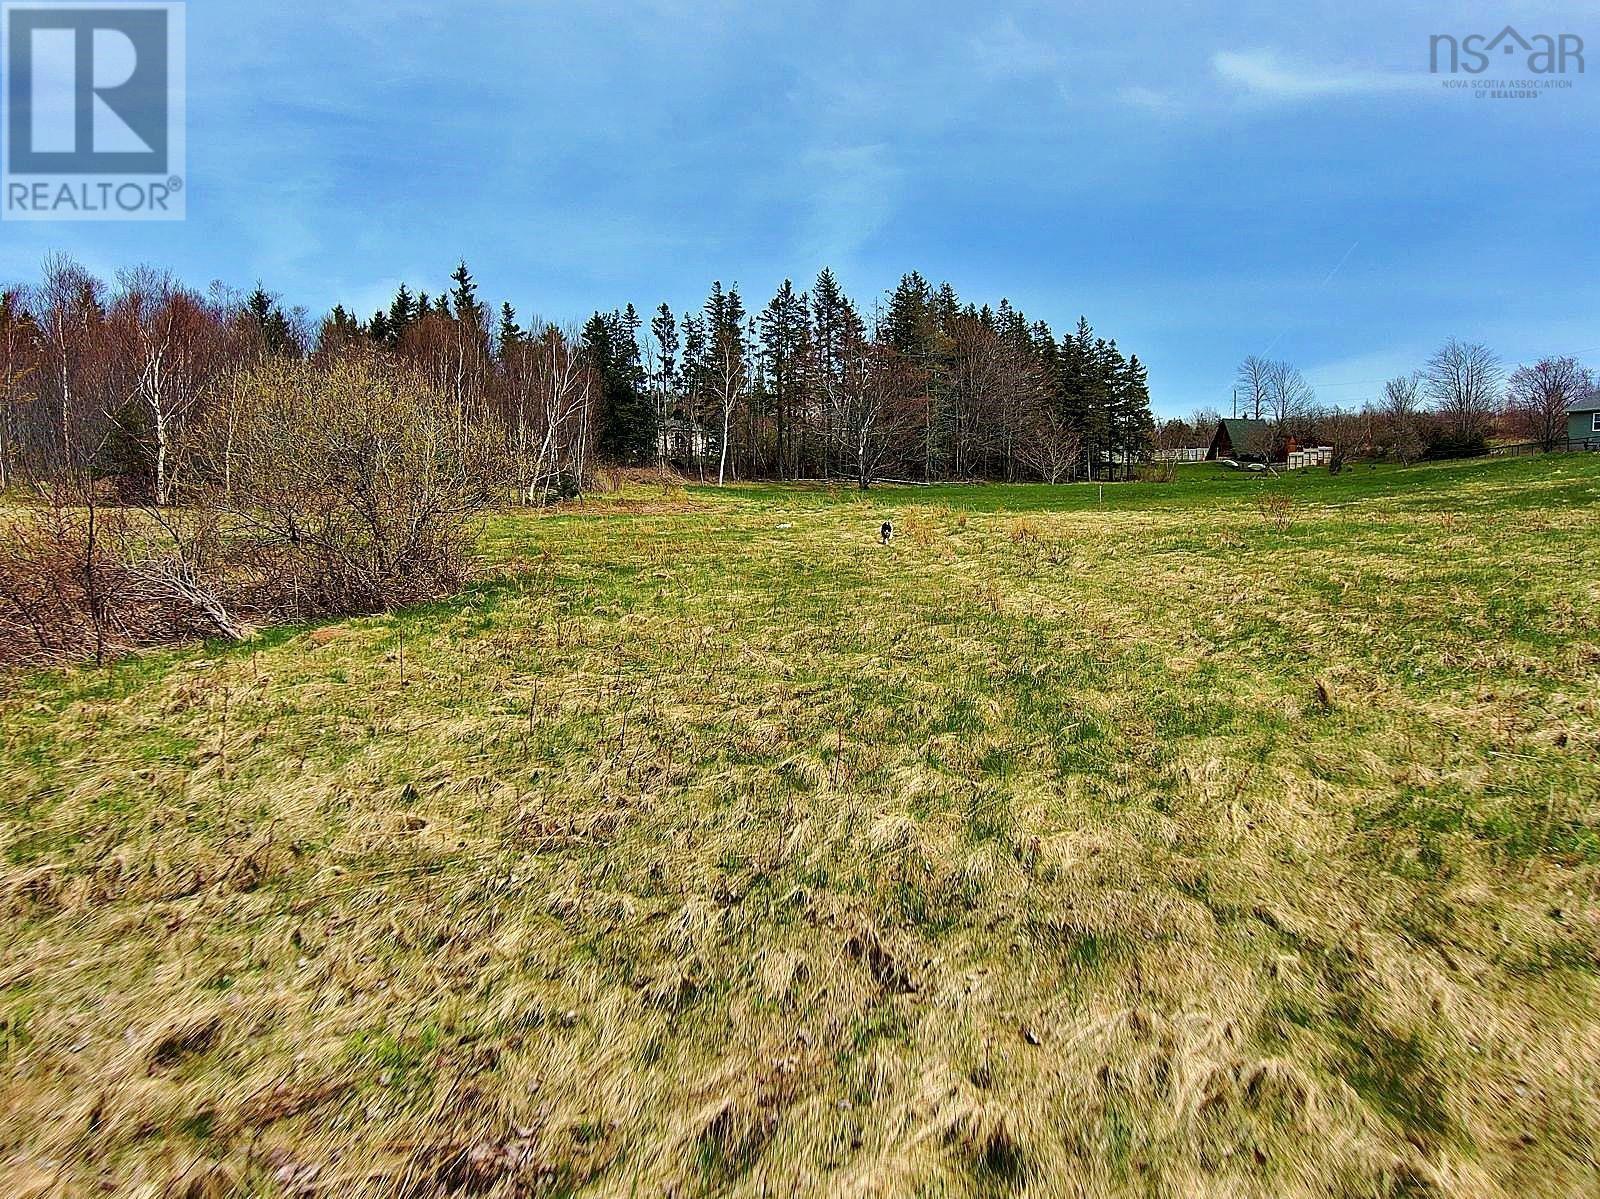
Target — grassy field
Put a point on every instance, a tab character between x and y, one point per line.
1231	837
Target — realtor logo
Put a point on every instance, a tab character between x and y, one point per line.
93	122
1539	54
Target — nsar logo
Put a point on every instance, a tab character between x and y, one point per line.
1541	54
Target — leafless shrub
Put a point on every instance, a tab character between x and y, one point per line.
57	580
1276	509
353	486
83	581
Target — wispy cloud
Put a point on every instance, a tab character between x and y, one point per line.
1004	51
852	197
1150	99
1266	75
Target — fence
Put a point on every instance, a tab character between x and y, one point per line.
1567	445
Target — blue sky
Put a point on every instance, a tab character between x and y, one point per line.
1203	183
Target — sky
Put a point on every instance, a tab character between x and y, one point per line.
1203	182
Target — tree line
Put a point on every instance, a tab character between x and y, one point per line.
1454	405
807	386
197	461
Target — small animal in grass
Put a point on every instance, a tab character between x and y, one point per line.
885	533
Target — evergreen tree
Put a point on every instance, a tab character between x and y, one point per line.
727	373
664	333
1046	351
694	381
1075	368
509	336
782	337
946	309
627	418
403	312
834	321
339	329
464	297
1135	426
836	326
908	326
277	337
1100	436
664	328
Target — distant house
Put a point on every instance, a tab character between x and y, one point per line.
683	443
1583	421
1241	440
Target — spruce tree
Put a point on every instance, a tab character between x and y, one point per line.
664	328
464	297
627	434
1136	424
276	335
693	376
782	335
908	325
508	336
402	313
664	332
339	329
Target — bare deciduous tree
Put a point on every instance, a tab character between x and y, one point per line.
165	340
552	392
1254	383
875	401
1463	380
1290	399
1538	397
68	309
1051	446
1402	416
729	377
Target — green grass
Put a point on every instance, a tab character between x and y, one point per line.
1184	841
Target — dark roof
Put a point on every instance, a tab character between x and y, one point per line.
1247	436
1592	404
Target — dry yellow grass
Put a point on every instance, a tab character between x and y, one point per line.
1057	848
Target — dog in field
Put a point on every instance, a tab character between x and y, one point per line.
886	532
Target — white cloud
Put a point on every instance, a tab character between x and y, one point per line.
854	192
1149	99
1003	50
1263	74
